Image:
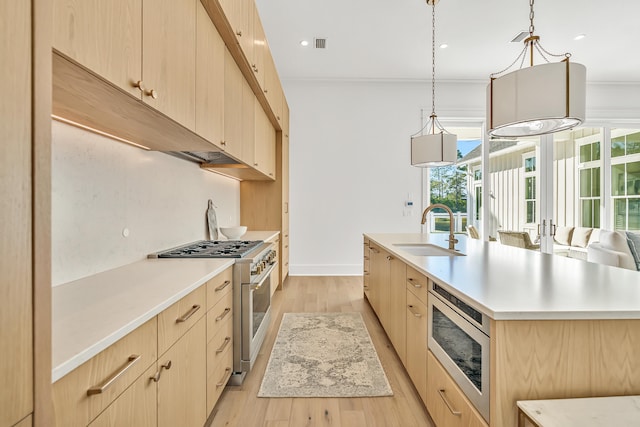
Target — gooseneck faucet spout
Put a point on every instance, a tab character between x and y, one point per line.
452	240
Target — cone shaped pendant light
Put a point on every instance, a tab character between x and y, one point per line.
537	100
437	147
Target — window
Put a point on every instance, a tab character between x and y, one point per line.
589	183
625	145
530	188
625	191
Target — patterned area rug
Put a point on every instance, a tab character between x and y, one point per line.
324	355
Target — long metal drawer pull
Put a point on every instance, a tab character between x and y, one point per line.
415	285
224	285
156	376
188	314
413	311
446	402
224	313
105	385
226	342
223	381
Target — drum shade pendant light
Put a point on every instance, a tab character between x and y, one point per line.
438	147
539	99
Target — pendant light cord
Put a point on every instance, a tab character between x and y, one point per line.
433	59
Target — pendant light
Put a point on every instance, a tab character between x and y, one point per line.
438	147
539	99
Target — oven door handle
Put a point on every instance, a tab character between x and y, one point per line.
265	274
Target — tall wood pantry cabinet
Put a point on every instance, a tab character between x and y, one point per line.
25	132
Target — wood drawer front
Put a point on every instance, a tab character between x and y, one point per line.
417	283
219	368
416	343
444	397
74	407
219	316
174	321
219	286
137	406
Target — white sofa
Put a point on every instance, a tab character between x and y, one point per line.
612	249
573	241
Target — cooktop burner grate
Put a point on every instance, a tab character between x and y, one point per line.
212	249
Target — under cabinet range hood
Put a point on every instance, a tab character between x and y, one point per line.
205	157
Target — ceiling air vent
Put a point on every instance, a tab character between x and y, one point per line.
321	43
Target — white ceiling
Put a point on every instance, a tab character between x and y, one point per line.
391	39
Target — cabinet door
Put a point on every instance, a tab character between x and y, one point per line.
233	81
417	344
103	35
137	406
16	368
182	387
210	52
169	58
247	142
272	87
397	330
259	48
265	143
379	283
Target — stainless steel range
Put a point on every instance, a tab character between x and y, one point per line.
251	292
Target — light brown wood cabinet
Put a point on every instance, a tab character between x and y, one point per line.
150	55
447	404
240	15
416	364
104	36
16	333
77	397
182	386
260	49
137	406
265	143
272	88
366	269
379	283
210	68
397	322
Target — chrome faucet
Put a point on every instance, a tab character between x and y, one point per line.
452	240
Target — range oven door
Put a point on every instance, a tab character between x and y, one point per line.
462	349
256	317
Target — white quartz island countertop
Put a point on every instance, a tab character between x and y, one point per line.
90	314
508	283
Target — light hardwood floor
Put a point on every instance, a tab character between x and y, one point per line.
240	406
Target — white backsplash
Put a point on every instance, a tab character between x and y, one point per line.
100	187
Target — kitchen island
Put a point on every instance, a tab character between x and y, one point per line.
559	327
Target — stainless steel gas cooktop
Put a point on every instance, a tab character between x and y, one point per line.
211	249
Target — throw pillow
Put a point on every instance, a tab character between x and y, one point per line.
563	235
633	240
580	237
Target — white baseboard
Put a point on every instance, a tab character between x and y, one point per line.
325	270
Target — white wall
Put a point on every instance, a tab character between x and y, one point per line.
350	166
100	187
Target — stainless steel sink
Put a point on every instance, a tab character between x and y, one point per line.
425	249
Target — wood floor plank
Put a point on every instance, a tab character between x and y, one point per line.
239	406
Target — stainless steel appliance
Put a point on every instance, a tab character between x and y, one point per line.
251	292
459	339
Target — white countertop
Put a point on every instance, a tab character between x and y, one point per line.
90	314
509	283
618	411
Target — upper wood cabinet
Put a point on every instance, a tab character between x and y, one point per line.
210	57
233	118
265	143
104	36
169	58
260	49
150	55
16	337
240	14
272	88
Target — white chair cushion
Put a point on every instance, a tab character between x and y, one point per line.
617	241
596	253
580	237
563	235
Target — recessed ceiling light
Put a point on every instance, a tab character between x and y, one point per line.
444	46
579	36
304	43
